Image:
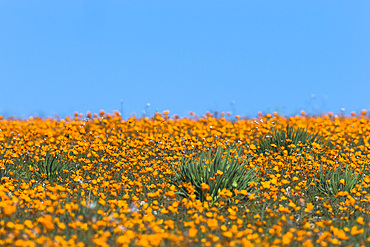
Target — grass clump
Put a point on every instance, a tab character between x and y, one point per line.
212	172
334	180
290	139
52	167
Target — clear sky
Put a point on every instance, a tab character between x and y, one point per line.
58	57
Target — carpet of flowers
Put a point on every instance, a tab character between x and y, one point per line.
111	182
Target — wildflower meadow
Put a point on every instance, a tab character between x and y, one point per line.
212	180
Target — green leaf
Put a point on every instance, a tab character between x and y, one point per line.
235	174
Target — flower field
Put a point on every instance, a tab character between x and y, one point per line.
98	180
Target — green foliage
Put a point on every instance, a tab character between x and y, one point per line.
4	170
52	167
220	170
330	182
283	139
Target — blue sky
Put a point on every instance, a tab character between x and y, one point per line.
58	57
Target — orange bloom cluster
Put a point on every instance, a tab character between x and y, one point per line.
116	190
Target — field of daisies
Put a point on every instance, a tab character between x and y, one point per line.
213	180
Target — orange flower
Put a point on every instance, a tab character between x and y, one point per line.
225	193
170	224
125	239
47	221
227	234
287	238
342	193
243	192
205	187
154	239
284	181
10	209
309	208
193	232
355	231
339	233
220	173
266	185
212	224
360	220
